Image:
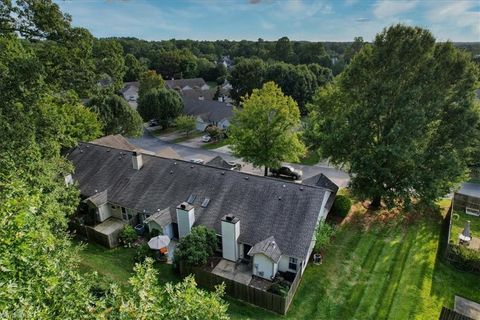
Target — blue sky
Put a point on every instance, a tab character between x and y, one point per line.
320	20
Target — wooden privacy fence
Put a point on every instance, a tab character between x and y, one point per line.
258	297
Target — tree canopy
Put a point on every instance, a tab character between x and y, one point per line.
117	116
161	104
150	80
265	131
401	117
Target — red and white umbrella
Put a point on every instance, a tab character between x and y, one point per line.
159	242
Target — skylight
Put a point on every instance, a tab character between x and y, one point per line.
205	202
191	198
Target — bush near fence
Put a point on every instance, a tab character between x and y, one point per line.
260	298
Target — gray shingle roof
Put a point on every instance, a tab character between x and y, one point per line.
321	180
219	162
265	206
268	247
163	218
98	198
208	110
181	83
470	189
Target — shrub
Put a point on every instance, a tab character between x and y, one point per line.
323	235
144	252
464	258
341	206
128	235
154	233
280	287
196	247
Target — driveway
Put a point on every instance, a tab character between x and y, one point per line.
149	142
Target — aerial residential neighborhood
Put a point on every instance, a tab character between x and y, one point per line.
247	159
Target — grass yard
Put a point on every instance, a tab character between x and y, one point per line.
216	144
389	271
311	158
116	265
183	138
459	218
374	269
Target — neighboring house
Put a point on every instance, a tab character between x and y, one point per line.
130	92
467	199
118	141
266	221
187	84
219	162
208	112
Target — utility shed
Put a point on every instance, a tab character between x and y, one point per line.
467	199
106	233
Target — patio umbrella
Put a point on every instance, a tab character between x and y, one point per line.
465	236
158	242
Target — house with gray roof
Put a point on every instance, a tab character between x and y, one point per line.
187	84
267	222
208	112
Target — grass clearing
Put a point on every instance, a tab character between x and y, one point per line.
375	268
216	144
382	271
183	138
311	158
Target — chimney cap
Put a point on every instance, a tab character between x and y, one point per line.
185	206
230	218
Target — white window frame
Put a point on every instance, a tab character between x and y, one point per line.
125	214
472	211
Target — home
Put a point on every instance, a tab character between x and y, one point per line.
208	112
187	84
267	223
467	199
130	92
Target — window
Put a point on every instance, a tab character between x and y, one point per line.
472	211
126	216
292	264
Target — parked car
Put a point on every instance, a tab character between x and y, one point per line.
200	161
153	123
287	171
206	138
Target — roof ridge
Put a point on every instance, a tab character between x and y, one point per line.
209	166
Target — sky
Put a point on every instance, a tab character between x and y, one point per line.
313	20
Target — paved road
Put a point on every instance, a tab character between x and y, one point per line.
149	142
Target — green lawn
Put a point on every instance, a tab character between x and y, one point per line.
311	158
459	218
215	145
192	135
388	271
116	265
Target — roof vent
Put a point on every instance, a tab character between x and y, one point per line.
108	150
284	186
88	146
81	151
171	171
279	198
222	173
301	188
192	167
174	163
246	178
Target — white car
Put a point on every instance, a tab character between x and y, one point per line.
199	161
206	138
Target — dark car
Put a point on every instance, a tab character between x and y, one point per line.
153	123
287	171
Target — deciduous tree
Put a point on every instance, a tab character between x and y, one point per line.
401	117
161	104
265	131
116	115
185	124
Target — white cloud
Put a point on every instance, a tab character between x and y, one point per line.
458	14
387	9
